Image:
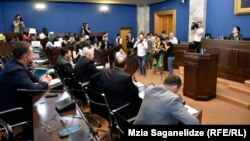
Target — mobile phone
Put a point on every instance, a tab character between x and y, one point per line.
68	130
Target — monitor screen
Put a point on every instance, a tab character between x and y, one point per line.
39	72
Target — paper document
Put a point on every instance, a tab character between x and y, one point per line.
54	81
41	61
99	67
191	110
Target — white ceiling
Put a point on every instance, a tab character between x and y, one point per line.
130	2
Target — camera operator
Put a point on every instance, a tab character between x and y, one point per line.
18	24
130	43
198	33
85	29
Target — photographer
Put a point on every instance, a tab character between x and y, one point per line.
85	29
198	33
18	24
130	43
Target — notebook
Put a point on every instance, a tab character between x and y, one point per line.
39	72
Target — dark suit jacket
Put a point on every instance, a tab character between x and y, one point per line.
16	76
118	88
84	68
64	66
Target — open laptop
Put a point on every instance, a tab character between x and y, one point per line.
39	72
36	46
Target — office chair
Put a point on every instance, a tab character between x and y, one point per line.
76	90
4	59
122	123
10	135
99	105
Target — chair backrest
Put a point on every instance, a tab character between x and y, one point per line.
4	59
75	89
8	130
122	123
98	104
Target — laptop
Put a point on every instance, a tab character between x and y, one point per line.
36	46
39	72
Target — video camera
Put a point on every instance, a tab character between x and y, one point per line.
194	26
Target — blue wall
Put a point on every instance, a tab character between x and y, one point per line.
221	19
68	17
182	14
1	17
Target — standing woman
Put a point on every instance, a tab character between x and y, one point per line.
18	24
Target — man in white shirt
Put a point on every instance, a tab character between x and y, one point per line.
198	33
172	39
142	46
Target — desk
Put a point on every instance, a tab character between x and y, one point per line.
44	110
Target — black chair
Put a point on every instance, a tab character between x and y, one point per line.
7	127
76	90
99	105
4	59
122	123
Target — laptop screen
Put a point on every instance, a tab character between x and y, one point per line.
39	72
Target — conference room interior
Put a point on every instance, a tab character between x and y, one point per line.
217	81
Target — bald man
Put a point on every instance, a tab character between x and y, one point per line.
118	87
85	67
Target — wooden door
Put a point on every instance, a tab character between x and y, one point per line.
165	20
123	33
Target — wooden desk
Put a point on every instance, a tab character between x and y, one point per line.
234	58
44	112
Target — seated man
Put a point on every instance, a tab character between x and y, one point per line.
118	87
162	106
85	67
65	64
16	76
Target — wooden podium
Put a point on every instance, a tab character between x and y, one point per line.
200	75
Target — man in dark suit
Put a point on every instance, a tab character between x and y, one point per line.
65	64
85	67
16	76
118	86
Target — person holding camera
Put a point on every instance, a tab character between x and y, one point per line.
130	43
18	24
142	46
85	29
198	33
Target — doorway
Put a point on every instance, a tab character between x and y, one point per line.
165	20
123	33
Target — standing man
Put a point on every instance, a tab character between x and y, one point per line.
162	105
85	29
170	54
142	46
198	33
